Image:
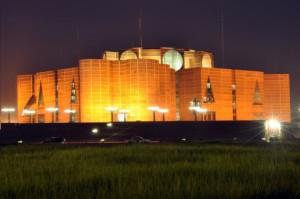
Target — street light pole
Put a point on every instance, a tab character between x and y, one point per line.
71	112
195	106
163	111
8	111
111	110
154	109
52	110
30	113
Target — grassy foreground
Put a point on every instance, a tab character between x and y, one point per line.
150	171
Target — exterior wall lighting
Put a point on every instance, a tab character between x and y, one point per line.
111	110
163	111
52	110
8	111
154	109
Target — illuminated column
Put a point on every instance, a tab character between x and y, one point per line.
8	111
111	110
163	111
154	109
52	110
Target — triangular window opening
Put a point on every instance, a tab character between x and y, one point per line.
41	97
209	96
256	98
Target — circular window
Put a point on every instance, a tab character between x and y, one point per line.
173	59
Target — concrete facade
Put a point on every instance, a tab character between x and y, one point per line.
136	79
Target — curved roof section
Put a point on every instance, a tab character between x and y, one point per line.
128	54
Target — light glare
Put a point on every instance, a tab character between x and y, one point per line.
153	108
52	109
272	129
8	109
94	130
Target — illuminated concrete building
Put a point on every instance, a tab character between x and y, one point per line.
123	85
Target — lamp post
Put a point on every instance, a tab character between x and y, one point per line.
195	105
71	112
29	113
124	112
154	109
163	111
111	110
8	111
52	110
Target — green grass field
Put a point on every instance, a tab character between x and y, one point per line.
150	171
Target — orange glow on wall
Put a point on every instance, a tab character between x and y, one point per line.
277	97
25	92
65	79
139	82
257	95
132	85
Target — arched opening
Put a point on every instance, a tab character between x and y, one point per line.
128	54
206	61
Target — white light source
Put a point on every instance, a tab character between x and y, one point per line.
198	109
154	109
70	111
27	112
52	110
273	124
94	130
272	129
163	111
111	109
109	124
8	111
123	112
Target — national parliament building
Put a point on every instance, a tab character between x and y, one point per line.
166	84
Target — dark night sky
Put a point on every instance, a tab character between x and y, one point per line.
40	35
